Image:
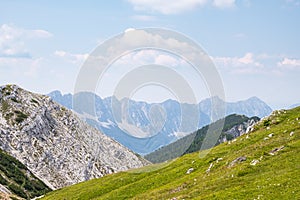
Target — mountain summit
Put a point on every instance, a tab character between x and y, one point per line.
54	144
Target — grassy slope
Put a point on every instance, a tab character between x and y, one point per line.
274	177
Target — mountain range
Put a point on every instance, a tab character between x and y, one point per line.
294	106
137	131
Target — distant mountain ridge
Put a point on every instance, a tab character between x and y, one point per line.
294	106
54	143
139	117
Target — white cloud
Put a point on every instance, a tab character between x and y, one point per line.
147	56
257	64
246	64
129	29
146	47
289	63
16	62
21	66
247	59
13	40
166	6
224	3
166	60
147	39
73	58
177	6
38	33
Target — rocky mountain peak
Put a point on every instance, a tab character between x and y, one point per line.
54	143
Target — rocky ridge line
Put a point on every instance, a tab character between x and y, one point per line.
54	143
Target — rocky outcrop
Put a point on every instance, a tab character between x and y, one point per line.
240	129
54	143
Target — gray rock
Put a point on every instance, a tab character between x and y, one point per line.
190	170
209	168
254	162
54	143
237	160
4	190
275	150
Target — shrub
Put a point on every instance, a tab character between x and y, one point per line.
20	116
5	106
34	101
267	123
15	100
3	181
21	184
17	190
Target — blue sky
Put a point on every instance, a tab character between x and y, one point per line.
254	44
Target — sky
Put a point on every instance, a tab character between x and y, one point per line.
253	44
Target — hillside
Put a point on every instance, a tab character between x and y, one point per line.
234	126
16	179
101	115
54	144
263	164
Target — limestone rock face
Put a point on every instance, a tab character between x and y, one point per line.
242	128
54	143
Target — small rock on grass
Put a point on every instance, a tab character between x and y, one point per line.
239	159
276	150
190	170
254	162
